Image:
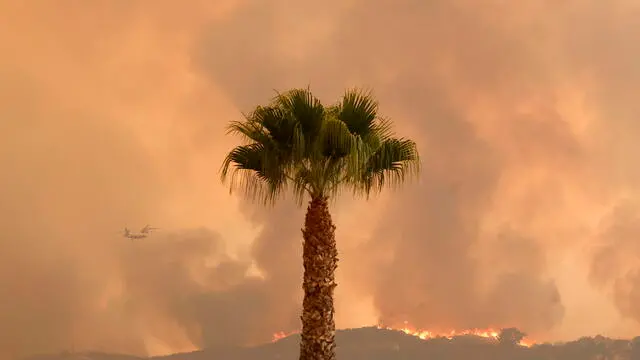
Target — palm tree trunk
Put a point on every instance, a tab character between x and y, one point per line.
320	260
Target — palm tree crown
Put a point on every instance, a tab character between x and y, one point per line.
296	143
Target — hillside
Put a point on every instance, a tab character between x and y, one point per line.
378	344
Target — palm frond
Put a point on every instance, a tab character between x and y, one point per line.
302	183
256	170
335	140
358	109
250	131
305	109
390	164
280	126
339	154
382	129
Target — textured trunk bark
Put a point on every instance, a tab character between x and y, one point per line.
320	260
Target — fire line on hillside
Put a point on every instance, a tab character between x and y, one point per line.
426	334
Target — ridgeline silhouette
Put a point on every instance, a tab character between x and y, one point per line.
372	343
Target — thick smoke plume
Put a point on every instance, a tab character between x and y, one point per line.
112	114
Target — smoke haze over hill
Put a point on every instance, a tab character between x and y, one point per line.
112	114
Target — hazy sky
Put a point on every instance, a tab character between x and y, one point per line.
112	114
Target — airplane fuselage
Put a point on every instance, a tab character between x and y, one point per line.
144	232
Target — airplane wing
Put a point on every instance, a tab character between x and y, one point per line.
147	229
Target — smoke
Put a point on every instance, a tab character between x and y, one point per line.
615	257
105	125
518	110
112	114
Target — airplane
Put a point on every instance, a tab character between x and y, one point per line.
144	232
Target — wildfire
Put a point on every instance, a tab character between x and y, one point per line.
426	334
281	335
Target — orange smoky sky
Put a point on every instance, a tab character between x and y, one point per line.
112	114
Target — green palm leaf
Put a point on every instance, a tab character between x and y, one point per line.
296	141
389	164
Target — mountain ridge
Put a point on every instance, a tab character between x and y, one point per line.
372	343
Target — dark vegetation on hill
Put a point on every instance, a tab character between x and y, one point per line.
376	344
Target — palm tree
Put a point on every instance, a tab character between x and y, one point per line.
295	143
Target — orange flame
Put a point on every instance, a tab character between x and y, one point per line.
281	335
426	334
